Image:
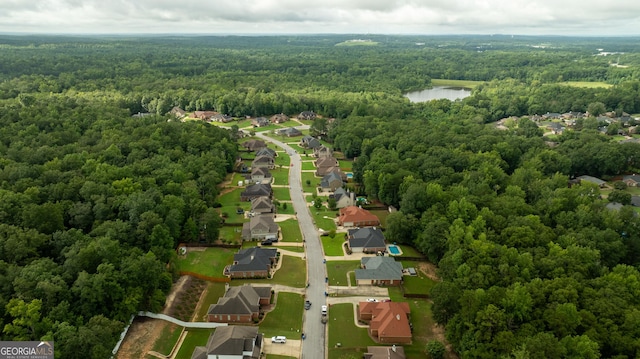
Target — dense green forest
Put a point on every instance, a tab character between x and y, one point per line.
93	201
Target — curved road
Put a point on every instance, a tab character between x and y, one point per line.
314	346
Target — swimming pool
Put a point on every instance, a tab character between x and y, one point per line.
394	250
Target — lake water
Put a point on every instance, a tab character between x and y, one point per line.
438	92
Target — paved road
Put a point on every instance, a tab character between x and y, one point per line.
315	345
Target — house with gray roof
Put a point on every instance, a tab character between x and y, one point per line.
322	151
379	270
254	145
260	122
239	304
331	182
264	161
597	181
255	262
256	190
260	227
631	180
307	115
262	205
343	198
279	118
266	151
290	132
232	342
259	175
366	240
221	118
310	142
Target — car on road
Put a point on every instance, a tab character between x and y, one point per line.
279	339
324	310
371	300
307	304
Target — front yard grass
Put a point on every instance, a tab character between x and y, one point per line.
337	271
293	273
324	218
333	246
286	318
282	159
194	338
281	193
296	146
355	344
297	249
313	181
308	165
210	262
280	176
290	231
285	208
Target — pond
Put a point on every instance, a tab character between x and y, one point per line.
438	92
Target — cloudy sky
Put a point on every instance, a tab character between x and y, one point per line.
530	17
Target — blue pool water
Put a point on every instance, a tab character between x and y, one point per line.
349	175
394	250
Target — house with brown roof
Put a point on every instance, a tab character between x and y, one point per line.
260	122
239	305
262	205
388	321
255	262
232	342
279	118
260	227
204	115
331	182
290	132
631	180
354	216
178	113
307	115
322	151
254	145
379	270
221	118
386	352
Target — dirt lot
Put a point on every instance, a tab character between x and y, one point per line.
144	332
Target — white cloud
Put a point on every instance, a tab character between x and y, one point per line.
561	17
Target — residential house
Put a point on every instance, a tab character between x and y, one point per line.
631	180
366	240
551	116
256	190
260	122
322	152
310	142
142	114
254	145
221	118
597	181
331	182
388	321
260	227
379	270
279	118
635	201
343	198
204	115
556	128
263	161
326	162
232	342
266	151
259	175
326	165
379	352
323	171
262	205
178	113
353	216
290	132
255	262
239	305
307	115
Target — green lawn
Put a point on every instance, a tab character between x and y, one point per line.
455	83
293	273
285	208
213	292
313	180
286	318
275	356
346	166
296	145
280	176
419	284
409	251
290	230
337	271
308	165
210	262
355	344
297	249
323	218
231	234
382	215
422	320
168	339
333	246
231	198
587	84
281	193
283	159
194	338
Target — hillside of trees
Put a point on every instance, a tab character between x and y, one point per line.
93	201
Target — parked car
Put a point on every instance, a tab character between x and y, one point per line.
279	339
386	300
307	304
324	310
266	242
371	300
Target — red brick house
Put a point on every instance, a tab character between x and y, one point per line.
388	321
354	216
239	305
